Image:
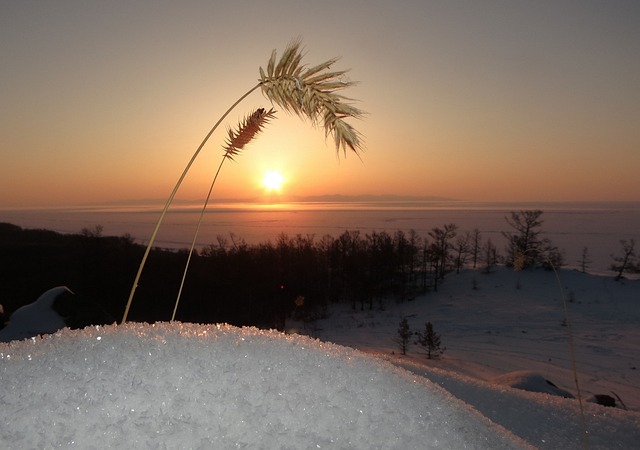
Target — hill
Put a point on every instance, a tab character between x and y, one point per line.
505	321
182	385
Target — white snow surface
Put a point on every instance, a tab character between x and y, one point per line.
196	386
35	318
178	385
508	325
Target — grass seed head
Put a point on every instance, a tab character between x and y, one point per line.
246	130
313	93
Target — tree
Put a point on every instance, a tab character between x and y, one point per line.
402	263
462	250
430	341
424	268
490	254
584	260
440	249
525	246
414	257
551	257
349	253
625	262
381	256
94	232
476	240
404	334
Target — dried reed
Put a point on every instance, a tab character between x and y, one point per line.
310	93
246	131
518	265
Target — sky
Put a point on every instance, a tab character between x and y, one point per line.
105	102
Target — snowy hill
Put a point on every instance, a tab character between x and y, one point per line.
508	321
196	386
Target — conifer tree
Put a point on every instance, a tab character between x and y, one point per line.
404	334
430	341
584	260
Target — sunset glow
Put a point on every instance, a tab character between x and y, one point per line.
480	101
273	181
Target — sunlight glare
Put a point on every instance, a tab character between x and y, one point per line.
272	180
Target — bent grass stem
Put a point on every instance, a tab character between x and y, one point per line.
171	197
195	237
307	92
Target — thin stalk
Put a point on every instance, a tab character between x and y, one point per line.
572	353
170	200
572	357
195	237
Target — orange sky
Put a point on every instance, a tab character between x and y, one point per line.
106	101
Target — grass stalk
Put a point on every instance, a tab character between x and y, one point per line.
572	357
236	142
307	92
195	238
172	196
519	265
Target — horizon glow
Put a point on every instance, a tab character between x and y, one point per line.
480	102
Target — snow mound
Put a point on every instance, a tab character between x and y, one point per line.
35	318
178	385
532	382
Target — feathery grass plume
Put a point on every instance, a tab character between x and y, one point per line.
313	93
308	92
246	131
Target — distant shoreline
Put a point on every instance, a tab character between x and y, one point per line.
331	202
570	225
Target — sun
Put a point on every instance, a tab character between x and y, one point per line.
272	180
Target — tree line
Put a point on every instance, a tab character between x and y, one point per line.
264	284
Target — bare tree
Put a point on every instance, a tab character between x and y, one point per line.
550	256
415	243
625	262
441	248
462	248
238	243
524	246
490	253
426	259
94	232
476	242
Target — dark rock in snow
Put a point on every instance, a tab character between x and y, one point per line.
603	399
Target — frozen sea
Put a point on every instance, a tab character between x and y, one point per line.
571	226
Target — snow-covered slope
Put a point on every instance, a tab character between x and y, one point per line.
503	322
506	321
195	386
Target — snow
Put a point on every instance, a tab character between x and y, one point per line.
184	386
532	382
179	385
35	318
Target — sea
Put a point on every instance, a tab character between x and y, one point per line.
571	226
